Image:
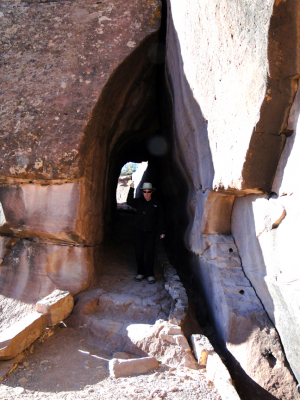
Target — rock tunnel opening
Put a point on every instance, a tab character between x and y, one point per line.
133	121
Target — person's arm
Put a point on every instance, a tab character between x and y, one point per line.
130	200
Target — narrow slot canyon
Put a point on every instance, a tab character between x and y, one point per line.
203	98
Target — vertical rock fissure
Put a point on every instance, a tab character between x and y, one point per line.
243	269
262	304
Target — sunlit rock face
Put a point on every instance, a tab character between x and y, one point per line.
265	230
75	76
221	47
232	72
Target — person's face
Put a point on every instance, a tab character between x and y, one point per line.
147	194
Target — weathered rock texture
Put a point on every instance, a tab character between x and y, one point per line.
49	311
80	98
76	76
165	342
20	335
58	57
232	71
57	306
265	230
119	302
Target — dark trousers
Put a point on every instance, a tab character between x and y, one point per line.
144	245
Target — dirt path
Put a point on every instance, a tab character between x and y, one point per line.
72	363
66	366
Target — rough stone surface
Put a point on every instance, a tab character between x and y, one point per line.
32	270
216	123
57	306
79	86
64	115
265	231
216	218
164	342
216	367
19	336
232	78
118	368
58	56
174	287
67	353
240	320
46	211
119	302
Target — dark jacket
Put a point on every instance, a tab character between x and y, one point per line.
149	214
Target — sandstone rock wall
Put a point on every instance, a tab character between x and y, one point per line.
265	231
79	99
76	76
232	71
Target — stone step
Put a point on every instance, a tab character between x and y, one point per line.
122	307
112	334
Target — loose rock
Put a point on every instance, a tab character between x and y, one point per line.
119	368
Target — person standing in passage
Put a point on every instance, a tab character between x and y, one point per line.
147	221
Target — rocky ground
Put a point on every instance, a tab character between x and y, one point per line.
70	362
66	366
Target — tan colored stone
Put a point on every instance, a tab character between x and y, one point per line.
36	210
19	336
57	306
118	368
216	218
33	270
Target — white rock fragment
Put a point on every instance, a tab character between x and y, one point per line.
202	347
217	373
2	216
19	390
118	367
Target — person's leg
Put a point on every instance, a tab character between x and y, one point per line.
139	247
150	253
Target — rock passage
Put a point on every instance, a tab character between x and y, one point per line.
73	363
